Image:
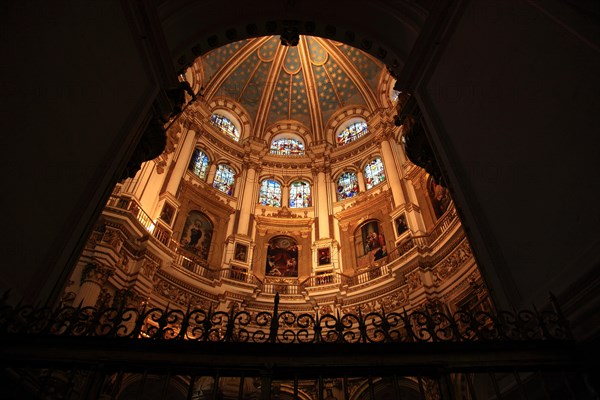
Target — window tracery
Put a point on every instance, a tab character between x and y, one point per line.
224	179
226	126
270	193
352	132
300	195
374	173
347	185
199	164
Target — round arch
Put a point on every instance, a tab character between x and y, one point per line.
234	112
192	28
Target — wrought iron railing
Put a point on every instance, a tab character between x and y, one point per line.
277	326
116	353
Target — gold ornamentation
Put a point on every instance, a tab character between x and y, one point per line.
414	280
452	263
149	268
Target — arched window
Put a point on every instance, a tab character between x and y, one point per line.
287	146
374	173
224	179
199	164
270	193
197	234
352	132
300	195
226	126
347	185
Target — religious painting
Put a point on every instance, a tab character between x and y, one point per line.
241	252
401	225
167	213
440	197
197	234
373	240
324	256
282	257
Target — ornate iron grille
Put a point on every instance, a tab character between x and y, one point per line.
234	325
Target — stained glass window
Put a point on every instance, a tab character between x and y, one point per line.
226	126
199	164
224	179
374	173
300	195
352	132
287	146
347	185
270	193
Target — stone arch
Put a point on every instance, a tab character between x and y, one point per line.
293	127
237	111
191	31
341	116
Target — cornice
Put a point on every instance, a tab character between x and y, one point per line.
364	205
209	196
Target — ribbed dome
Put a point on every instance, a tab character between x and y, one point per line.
308	83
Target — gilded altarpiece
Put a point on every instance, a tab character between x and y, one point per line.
278	236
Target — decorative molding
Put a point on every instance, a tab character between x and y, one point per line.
414	279
95	273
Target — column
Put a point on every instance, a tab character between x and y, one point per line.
322	203
181	164
247	205
335	246
285	195
229	249
212	171
360	176
93	277
391	171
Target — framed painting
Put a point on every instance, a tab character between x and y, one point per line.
240	252
324	256
282	257
401	225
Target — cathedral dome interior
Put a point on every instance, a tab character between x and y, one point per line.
284	174
300	200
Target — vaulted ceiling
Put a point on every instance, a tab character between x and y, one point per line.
307	83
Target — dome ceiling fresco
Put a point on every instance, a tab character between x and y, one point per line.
307	83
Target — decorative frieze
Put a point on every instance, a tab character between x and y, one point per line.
452	263
149	268
179	296
413	279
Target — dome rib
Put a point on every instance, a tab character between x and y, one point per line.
316	121
221	75
311	81
267	94
353	73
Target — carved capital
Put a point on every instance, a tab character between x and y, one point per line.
251	164
317	169
96	274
